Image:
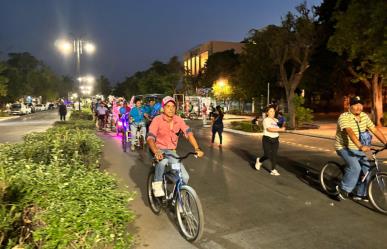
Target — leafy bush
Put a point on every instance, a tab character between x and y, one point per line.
84	114
52	195
246	126
64	143
80	124
303	115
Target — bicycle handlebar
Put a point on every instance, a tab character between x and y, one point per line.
376	151
181	157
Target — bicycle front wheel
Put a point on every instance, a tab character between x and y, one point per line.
154	202
377	191
189	214
330	176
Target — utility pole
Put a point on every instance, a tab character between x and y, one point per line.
268	93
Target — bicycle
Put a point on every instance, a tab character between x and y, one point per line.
139	137
332	173
125	131
179	196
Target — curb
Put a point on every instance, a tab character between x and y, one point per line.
7	118
311	135
243	132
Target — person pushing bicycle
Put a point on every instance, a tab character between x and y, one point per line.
352	141
163	137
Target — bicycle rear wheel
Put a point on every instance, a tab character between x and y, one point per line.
124	140
377	191
189	214
330	176
154	202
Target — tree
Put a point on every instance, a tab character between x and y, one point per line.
290	47
3	81
365	48
223	64
103	86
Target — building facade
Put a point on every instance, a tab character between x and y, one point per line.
196	58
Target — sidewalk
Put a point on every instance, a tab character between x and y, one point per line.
327	128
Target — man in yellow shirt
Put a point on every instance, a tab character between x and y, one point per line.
349	147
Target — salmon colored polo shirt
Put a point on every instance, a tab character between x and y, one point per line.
165	134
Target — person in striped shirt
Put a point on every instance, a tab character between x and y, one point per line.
349	147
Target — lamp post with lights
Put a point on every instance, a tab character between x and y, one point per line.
77	47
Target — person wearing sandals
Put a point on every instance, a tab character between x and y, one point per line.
217	125
270	140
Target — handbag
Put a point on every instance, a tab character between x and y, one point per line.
365	137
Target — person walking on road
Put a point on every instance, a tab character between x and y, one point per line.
217	125
352	140
204	114
62	111
270	140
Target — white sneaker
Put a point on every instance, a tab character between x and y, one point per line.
132	147
157	188
258	164
274	172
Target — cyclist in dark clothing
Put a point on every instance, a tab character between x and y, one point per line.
217	124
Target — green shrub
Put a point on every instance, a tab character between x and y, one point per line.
303	115
65	202
64	143
246	126
80	124
84	114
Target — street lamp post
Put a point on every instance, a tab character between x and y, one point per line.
77	46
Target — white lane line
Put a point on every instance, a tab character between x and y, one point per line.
306	146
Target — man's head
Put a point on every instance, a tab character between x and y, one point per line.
169	106
356	105
151	102
137	102
125	103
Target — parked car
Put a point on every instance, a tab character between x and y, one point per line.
40	107
19	109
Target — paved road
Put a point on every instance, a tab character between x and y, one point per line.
245	208
14	129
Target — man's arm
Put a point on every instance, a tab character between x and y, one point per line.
379	135
192	141
355	140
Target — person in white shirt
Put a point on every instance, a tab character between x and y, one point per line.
270	140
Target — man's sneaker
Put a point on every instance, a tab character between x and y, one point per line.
342	194
360	198
157	188
132	147
274	172
258	164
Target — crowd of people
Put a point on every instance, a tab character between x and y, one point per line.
352	128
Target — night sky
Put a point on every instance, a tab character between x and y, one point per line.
129	34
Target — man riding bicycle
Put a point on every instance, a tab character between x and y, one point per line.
138	115
101	112
350	145
163	137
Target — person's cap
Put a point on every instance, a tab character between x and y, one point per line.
355	100
167	99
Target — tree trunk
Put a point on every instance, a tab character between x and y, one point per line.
377	99
291	109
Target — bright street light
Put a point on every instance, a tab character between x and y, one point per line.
64	46
89	47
